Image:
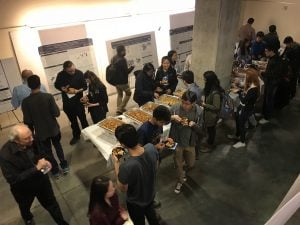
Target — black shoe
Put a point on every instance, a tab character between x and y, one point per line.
74	141
29	222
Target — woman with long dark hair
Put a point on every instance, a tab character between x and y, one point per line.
165	78
104	208
97	99
248	98
145	89
212	106
172	54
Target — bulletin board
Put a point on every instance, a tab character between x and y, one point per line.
140	49
181	36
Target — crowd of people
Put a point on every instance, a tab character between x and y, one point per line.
27	157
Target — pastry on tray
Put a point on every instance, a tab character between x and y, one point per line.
110	124
138	115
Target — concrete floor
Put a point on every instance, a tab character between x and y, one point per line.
227	186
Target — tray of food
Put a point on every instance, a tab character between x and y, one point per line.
149	106
168	100
119	152
110	124
137	115
179	93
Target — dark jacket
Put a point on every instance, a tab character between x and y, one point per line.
122	69
271	39
144	89
248	100
39	113
169	75
76	81
98	96
275	71
293	56
18	165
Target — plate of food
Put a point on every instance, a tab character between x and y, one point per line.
110	124
170	144
137	115
119	152
168	100
149	106
184	121
178	93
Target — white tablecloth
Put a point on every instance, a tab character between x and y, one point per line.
106	141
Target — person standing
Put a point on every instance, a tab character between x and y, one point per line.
22	91
39	114
272	39
185	128
258	46
97	99
247	31
71	83
137	175
25	170
212	107
120	62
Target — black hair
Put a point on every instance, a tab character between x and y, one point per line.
162	113
99	188
127	135
211	82
67	64
188	76
120	49
189	96
272	28
272	48
260	34
148	67
250	20
33	82
288	40
95	81
170	54
165	58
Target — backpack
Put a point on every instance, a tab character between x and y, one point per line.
227	106
111	74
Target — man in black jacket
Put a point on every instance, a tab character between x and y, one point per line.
25	171
123	71
71	83
39	113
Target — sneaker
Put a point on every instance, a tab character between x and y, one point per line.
239	145
74	141
232	136
56	175
263	121
178	188
156	204
65	170
29	222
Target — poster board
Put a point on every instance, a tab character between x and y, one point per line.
140	49
181	36
9	78
80	52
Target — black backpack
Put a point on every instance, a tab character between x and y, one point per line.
111	74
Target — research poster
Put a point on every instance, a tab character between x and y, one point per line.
140	49
5	93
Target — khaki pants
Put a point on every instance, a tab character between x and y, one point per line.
122	102
185	160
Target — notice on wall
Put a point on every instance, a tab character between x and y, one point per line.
5	93
80	52
181	41
140	49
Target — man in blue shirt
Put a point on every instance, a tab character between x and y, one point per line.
22	91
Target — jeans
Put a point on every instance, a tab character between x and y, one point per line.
122	102
74	110
41	188
46	147
138	213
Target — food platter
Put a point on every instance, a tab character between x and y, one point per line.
179	93
168	100
110	124
137	115
149	107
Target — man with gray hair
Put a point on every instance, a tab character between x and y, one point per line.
26	172
22	91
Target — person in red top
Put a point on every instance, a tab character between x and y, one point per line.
104	208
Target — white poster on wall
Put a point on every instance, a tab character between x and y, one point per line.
80	52
181	36
140	49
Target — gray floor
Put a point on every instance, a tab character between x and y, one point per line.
227	186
